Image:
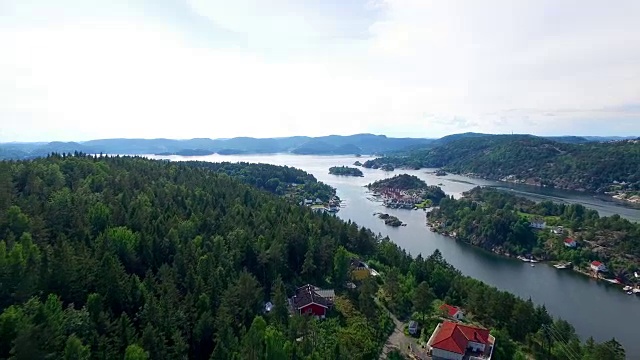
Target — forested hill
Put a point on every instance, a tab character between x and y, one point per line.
400	182
591	166
280	180
112	258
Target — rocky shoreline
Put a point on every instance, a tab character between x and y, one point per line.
630	201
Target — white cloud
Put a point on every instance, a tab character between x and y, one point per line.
404	67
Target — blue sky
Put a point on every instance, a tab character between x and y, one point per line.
78	70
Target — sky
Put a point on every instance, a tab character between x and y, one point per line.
74	70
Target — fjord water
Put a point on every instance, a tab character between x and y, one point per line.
594	308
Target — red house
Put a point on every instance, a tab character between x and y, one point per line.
454	341
308	300
452	311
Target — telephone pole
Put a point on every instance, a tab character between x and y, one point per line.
547	333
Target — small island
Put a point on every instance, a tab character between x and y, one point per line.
406	192
390	220
345	171
357	163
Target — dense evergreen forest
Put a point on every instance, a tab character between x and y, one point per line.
120	257
280	180
345	170
591	166
500	221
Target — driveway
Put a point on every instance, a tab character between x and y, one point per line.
407	345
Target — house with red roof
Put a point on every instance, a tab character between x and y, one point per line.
454	341
311	300
598	266
452	311
569	242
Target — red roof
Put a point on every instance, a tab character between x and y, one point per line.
596	263
455	337
569	240
451	310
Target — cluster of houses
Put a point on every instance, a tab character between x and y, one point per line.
539	224
399	199
318	205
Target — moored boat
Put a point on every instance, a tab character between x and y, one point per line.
562	266
627	288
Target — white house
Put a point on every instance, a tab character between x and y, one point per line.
454	341
569	242
558	230
538	224
598	266
452	312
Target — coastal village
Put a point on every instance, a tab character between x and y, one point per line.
399	199
405	192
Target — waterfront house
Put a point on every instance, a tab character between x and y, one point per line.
413	328
452	311
308	202
311	300
538	224
598	266
569	242
318	201
558	230
454	341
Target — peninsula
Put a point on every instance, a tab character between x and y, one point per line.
345	171
515	226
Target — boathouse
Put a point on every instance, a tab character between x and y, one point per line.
598	266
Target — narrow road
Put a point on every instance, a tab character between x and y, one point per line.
407	345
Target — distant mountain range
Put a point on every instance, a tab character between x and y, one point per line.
365	144
325	145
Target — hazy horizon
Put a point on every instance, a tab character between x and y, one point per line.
258	137
77	70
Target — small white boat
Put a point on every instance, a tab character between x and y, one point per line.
533	265
533	261
629	292
636	291
627	288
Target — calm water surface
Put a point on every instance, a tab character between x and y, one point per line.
594	308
